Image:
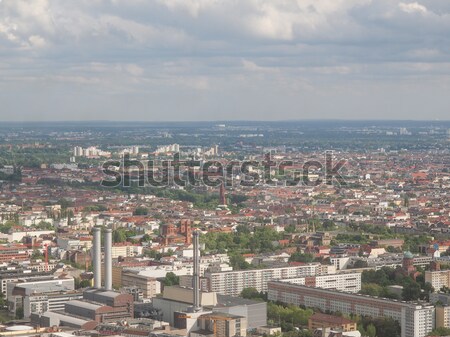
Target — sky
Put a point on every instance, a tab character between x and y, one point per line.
189	60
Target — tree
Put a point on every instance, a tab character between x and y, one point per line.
299	257
119	235
371	331
37	255
141	211
250	293
411	290
238	262
371	289
171	279
360	264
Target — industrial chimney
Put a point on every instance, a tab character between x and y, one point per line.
108	259
196	275
97	258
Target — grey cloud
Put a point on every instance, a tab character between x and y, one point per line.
219	58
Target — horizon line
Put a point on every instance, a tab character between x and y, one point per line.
225	121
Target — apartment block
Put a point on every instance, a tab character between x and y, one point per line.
442	316
438	279
415	319
350	282
233	282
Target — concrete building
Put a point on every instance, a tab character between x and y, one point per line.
442	316
233	282
254	311
99	304
14	274
415	319
32	296
442	298
149	285
220	325
438	279
348	282
51	301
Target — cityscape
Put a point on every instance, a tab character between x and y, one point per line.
225	250
225	168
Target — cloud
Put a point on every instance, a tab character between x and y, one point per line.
227	50
412	7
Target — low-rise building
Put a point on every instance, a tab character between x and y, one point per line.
319	320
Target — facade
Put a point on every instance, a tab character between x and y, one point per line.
34	297
254	311
415	319
349	282
149	285
13	275
320	321
442	316
13	252
438	279
233	282
40	303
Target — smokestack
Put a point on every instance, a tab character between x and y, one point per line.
97	258
108	259
196	284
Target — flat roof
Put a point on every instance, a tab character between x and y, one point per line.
84	304
230	301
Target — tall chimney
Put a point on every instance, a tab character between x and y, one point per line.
97	258
108	259
196	284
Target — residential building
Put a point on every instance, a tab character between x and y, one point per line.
349	282
233	282
438	279
415	319
443	316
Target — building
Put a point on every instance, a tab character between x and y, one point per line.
233	282
442	298
438	279
415	319
11	274
48	301
149	285
99	304
13	252
220	325
442	316
33	297
348	282
319	320
254	311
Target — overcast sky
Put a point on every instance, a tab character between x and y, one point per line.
224	59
